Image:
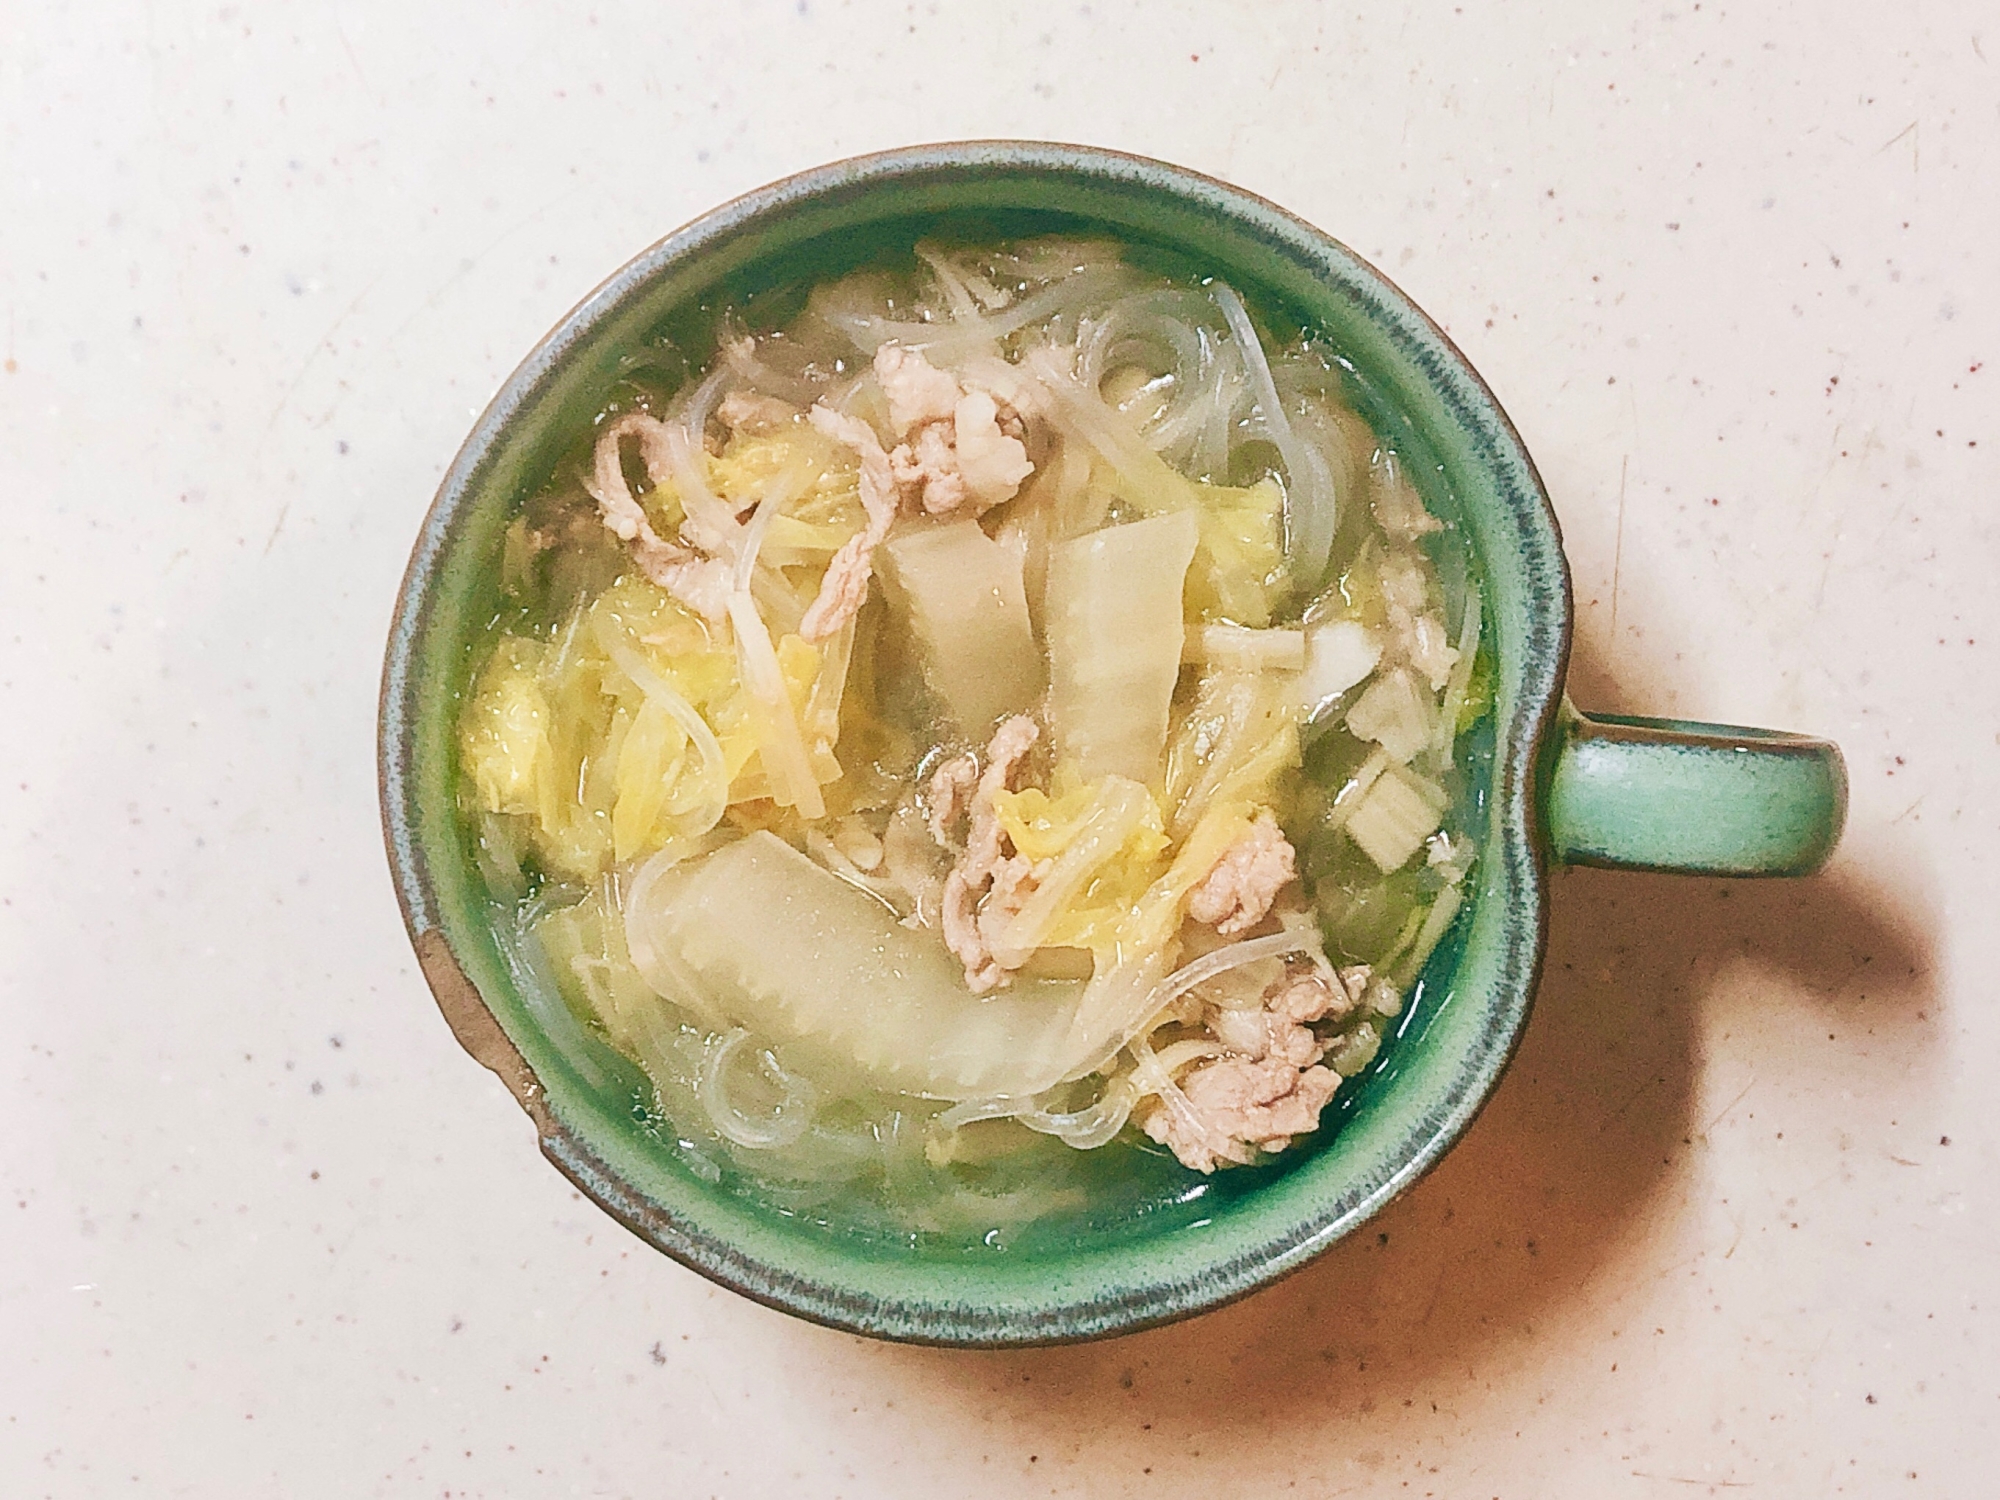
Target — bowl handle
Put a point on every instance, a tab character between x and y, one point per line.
1709	799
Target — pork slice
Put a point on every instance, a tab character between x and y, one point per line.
699	581
959	449
843	588
927	472
949	796
917	390
1237	892
1233	1108
993	460
747	411
1269	1089
988	869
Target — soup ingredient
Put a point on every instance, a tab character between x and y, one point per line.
1246	649
968	607
1417	627
504	737
1310	508
861	996
1118	815
1230	1110
1012	700
695	580
984	868
1237	738
1338	654
845	584
1237	893
955	454
1114	624
1395	713
1395	815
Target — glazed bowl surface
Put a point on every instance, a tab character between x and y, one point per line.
1240	1230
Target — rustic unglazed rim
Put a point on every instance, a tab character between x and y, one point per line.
1482	979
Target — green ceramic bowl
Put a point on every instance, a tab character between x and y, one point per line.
1557	785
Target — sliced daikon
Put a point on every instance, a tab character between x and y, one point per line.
802	959
1115	637
968	610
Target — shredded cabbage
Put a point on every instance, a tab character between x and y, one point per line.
1093	909
1238	573
1150	926
1113	820
504	736
1234	741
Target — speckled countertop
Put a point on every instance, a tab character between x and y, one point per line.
1730	1224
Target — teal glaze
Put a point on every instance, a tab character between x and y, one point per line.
1469	1007
1714	799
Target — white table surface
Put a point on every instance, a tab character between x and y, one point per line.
1730	1224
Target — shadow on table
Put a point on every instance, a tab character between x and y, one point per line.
1583	1143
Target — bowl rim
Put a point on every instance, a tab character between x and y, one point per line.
1520	776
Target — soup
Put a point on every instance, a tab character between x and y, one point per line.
995	734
